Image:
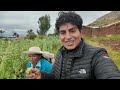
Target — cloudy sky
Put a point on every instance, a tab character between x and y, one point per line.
21	21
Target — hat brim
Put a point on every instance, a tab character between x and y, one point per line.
33	52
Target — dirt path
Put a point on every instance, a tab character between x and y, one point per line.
114	44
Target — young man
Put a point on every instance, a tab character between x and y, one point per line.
76	59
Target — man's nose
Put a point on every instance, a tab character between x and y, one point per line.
68	36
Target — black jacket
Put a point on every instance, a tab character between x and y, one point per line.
84	62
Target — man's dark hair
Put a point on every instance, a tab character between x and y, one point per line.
68	17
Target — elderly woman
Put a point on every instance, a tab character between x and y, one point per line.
37	61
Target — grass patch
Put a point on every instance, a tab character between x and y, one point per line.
109	37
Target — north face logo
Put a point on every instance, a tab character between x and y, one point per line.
82	71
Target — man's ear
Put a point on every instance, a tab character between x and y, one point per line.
81	31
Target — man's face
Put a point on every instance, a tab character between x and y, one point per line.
69	35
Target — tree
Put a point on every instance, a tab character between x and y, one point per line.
15	34
1	32
31	35
44	25
30	31
55	32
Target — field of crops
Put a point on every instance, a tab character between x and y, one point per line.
13	62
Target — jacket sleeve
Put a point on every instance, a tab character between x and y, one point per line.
45	75
104	67
46	66
49	75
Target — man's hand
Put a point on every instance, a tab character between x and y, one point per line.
36	74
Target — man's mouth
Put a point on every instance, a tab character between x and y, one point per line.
69	43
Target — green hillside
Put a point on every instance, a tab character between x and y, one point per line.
109	18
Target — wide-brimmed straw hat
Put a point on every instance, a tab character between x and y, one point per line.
34	50
37	50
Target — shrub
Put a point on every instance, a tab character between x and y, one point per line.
41	36
31	36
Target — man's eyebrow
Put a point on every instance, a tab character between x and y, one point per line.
61	30
72	28
69	29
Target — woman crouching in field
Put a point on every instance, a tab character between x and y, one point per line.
37	60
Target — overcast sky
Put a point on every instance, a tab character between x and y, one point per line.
21	21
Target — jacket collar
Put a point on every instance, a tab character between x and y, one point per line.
37	65
77	52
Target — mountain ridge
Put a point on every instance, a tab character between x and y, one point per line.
110	18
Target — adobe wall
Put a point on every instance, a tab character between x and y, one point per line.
86	31
101	31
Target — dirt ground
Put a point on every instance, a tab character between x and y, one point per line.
114	44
